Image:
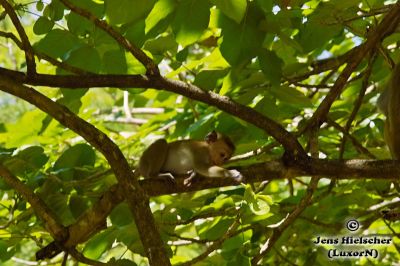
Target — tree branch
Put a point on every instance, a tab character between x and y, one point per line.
387	25
40	55
214	246
136	197
51	221
358	102
93	220
248	114
147	62
29	54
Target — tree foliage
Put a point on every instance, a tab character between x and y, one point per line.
87	85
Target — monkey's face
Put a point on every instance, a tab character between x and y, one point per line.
220	152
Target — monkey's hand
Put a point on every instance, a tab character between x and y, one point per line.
235	174
188	181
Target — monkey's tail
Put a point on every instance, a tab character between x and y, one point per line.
393	118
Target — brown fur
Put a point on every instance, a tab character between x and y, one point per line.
189	156
389	103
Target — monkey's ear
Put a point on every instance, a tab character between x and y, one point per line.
211	137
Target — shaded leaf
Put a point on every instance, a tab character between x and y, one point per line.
51	44
42	26
271	66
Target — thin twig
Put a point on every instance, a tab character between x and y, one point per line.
29	54
358	102
52	223
40	55
360	148
214	246
387	25
81	258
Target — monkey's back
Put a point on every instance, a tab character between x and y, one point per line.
181	156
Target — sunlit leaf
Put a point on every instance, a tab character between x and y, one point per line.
191	20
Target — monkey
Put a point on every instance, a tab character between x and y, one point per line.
389	104
189	157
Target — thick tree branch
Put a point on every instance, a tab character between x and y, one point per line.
248	114
93	220
29	54
52	223
136	197
387	25
289	142
147	62
304	203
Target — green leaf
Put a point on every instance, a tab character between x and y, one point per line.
266	5
123	262
233	9
98	244
52	45
135	33
94	7
130	237
115	62
58	203
192	17
103	42
161	44
78	205
78	24
160	11
124	11
28	160
54	11
209	79
5	253
261	205
241	42
239	260
72	99
121	215
291	95
221	202
271	66
212	230
315	35
258	204
39	5
76	156
86	58
42	26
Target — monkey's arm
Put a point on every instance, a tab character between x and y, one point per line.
216	171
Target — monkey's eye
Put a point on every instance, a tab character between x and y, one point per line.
223	155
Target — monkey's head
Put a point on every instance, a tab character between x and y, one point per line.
221	147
